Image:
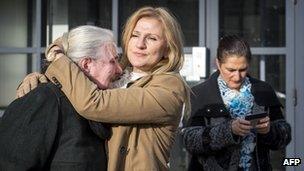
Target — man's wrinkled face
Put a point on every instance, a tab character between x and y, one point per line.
104	69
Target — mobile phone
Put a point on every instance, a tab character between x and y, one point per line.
255	117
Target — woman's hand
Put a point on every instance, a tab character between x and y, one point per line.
263	126
55	50
241	127
29	83
54	53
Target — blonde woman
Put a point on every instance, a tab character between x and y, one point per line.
145	113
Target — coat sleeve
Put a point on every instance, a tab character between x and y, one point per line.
28	131
199	137
208	139
100	129
159	102
279	135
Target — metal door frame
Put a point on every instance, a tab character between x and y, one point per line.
295	79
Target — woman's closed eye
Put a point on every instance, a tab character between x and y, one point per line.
134	35
152	38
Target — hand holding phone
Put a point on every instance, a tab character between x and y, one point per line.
255	117
263	126
258	112
240	127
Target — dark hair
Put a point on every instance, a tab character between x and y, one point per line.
232	45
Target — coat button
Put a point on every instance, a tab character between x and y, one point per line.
208	110
56	82
122	150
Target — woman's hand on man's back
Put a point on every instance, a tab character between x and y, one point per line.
30	82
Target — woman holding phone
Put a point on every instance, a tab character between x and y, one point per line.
218	136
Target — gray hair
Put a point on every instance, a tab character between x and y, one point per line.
85	41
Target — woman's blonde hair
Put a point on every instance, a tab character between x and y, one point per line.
173	62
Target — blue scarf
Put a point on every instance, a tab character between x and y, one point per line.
239	104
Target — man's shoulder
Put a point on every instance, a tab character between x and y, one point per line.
42	98
43	92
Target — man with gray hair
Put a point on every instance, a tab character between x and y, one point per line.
42	130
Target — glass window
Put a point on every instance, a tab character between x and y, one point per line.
18	32
93	12
275	72
16	23
260	22
275	69
65	15
186	12
13	68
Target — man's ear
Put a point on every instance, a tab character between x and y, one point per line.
85	64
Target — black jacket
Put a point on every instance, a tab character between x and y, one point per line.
42	131
208	135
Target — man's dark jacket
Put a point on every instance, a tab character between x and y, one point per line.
42	131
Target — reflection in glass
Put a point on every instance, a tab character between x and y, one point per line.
186	12
260	22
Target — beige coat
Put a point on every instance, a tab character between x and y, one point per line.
144	118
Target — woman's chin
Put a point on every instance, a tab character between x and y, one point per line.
235	87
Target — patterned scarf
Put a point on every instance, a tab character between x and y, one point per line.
239	104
